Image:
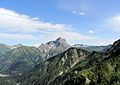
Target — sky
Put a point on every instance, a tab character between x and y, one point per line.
32	22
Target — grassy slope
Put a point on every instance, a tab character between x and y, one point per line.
20	59
45	72
97	69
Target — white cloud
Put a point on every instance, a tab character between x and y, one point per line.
70	36
20	27
78	7
74	12
91	31
10	36
102	41
79	13
12	21
114	23
99	41
82	13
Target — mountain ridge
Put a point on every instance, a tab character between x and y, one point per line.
60	64
81	72
53	48
20	59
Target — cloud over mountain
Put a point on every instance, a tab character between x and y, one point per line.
19	27
13	21
114	23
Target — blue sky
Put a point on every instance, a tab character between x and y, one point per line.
32	22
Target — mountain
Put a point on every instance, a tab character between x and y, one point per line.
55	66
106	71
4	49
7	81
16	46
53	48
79	45
77	67
92	48
50	64
20	60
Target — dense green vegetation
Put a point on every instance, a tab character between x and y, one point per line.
104	72
20	60
47	71
93	69
7	81
75	66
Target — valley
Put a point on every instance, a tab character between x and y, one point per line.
49	64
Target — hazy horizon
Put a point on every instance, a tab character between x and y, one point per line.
38	44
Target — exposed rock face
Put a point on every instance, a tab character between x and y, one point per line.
103	72
114	47
75	67
55	66
53	48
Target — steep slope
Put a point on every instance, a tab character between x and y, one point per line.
74	66
104	72
20	60
55	66
53	48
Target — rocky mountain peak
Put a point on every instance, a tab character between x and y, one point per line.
57	42
55	47
117	43
61	40
54	44
114	47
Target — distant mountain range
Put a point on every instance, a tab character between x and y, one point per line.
77	67
4	49
15	58
58	63
92	48
20	60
